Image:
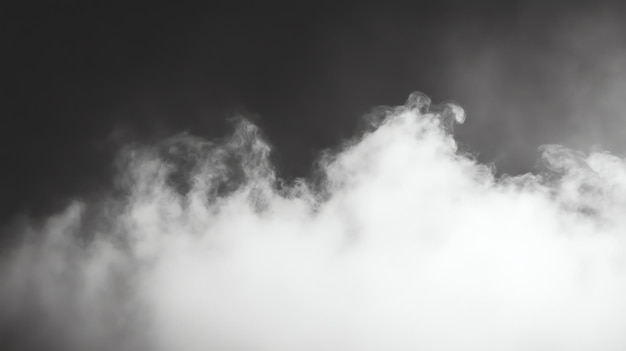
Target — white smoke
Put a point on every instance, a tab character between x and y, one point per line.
400	242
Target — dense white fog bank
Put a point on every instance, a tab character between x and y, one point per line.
399	242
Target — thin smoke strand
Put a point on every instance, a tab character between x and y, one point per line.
399	242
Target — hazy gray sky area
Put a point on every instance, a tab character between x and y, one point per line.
558	77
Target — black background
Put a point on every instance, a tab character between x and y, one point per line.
75	73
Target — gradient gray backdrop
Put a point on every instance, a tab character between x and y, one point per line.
81	79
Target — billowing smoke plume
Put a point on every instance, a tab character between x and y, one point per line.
398	242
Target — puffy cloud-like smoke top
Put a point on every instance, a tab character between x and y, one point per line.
398	242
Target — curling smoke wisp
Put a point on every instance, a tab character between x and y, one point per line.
399	241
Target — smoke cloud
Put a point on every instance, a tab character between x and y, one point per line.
399	241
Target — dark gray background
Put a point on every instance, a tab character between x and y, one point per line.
527	73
